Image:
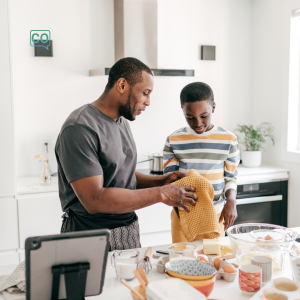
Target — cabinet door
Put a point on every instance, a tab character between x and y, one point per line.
39	215
8	224
155	218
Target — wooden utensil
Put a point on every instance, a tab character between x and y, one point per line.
132	289
142	273
140	279
145	262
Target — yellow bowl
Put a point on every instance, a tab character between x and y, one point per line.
191	277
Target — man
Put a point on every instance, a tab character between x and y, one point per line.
96	156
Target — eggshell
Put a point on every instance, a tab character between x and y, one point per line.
229	269
203	259
268	238
217	262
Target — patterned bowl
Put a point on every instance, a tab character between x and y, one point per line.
203	286
190	269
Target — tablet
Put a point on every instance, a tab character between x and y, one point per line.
45	252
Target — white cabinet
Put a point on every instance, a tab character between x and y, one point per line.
8	224
7	180
155	218
39	214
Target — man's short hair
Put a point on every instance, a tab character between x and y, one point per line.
128	68
196	91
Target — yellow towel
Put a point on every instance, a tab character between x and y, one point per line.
202	222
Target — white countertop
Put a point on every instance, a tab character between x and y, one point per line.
113	289
264	173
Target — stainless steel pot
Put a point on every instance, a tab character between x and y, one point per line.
155	162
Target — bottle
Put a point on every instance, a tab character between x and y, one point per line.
45	176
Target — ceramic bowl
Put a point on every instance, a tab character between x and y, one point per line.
140	290
203	286
190	270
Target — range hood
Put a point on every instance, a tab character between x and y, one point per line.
135	30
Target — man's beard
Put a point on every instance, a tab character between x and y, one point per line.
126	111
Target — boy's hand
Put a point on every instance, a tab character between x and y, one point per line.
229	210
174	176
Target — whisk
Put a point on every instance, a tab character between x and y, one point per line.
145	262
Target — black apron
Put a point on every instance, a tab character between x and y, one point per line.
121	238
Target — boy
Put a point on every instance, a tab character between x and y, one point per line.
206	148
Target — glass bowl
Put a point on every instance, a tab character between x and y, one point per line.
182	251
251	239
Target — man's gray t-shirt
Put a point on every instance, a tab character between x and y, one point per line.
91	143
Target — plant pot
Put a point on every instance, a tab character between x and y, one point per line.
251	159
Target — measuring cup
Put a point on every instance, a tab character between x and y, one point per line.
125	262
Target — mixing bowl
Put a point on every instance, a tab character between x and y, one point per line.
258	239
182	250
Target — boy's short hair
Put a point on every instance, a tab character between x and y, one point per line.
128	68
196	91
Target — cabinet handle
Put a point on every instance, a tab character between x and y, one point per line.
258	199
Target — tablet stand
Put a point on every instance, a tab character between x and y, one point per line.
75	280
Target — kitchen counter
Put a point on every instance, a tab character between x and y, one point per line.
113	289
264	173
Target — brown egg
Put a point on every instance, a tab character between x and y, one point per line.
203	259
229	269
268	238
217	262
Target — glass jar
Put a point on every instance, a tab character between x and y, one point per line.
125	262
182	251
45	176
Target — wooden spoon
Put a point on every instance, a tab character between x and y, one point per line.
140	279
132	289
143	274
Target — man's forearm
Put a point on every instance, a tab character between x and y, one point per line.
148	181
119	201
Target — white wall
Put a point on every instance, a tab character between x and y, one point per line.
270	64
7	174
46	90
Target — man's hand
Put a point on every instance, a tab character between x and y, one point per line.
229	210
174	176
176	196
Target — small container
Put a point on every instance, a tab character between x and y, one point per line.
161	264
125	262
182	250
250	279
295	265
266	263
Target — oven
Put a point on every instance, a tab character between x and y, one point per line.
262	203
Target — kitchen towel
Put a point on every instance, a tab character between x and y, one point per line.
13	286
202	222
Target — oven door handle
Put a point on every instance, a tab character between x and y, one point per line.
258	199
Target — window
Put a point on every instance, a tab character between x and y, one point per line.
293	139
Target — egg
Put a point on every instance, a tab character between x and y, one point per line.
217	262
203	259
229	269
268	238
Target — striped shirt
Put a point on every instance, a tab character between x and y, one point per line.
214	154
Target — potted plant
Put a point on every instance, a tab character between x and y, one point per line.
254	139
